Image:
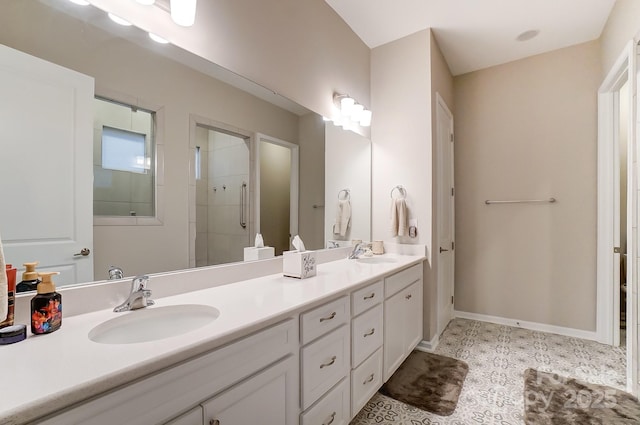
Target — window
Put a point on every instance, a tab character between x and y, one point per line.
124	160
124	150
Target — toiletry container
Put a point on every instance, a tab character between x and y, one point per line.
29	278
46	307
11	281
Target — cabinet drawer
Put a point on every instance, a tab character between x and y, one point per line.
366	334
367	297
366	379
323	364
323	319
401	280
192	417
332	409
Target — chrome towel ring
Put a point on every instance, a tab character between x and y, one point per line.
401	190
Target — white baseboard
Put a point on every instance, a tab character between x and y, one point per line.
533	326
429	346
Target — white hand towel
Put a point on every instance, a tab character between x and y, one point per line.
399	217
4	288
343	218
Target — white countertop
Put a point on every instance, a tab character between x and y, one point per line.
48	372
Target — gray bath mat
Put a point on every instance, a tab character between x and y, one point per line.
557	400
428	381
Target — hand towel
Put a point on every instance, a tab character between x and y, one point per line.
399	217
343	217
4	288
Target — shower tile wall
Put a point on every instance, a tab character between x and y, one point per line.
202	199
228	170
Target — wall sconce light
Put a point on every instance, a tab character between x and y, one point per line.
350	112
183	12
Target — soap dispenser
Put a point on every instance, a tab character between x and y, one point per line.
29	278
46	307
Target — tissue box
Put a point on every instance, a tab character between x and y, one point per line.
252	253
299	264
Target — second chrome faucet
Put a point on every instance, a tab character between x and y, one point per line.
138	297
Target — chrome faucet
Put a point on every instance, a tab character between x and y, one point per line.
115	273
139	296
357	251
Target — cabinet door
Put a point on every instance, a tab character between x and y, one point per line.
413	319
192	417
402	326
393	333
270	397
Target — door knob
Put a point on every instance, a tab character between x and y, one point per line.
443	250
83	252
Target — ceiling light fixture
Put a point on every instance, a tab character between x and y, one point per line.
183	12
528	35
157	38
118	20
350	112
80	2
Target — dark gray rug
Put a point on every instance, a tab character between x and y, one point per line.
428	381
557	400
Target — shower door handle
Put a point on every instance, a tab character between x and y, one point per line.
243	194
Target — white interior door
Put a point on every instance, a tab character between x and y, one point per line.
46	178
446	213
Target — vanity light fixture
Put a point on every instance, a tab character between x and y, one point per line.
183	12
350	112
80	2
157	38
118	20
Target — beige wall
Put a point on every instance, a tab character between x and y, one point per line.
623	25
405	74
312	166
442	83
527	130
172	87
275	190
300	49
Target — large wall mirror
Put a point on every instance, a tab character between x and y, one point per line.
208	198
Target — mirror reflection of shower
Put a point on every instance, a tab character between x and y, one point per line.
222	196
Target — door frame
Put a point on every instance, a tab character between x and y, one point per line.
294	181
441	193
607	304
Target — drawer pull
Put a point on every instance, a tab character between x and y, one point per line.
368	297
408	297
369	379
333	360
329	317
371	332
214	422
333	418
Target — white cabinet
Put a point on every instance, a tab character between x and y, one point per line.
402	325
332	409
365	381
270	397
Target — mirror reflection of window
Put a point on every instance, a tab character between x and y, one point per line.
123	171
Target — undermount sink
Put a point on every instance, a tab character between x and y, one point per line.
376	260
153	323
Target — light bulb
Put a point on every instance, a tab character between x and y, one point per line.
157	38
356	112
365	118
80	2
337	121
183	12
346	105
119	20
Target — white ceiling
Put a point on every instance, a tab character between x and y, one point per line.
476	34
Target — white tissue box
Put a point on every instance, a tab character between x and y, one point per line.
252	253
299	264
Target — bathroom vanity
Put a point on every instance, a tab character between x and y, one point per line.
282	351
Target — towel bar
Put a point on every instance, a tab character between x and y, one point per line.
523	201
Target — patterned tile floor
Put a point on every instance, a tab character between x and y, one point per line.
497	357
